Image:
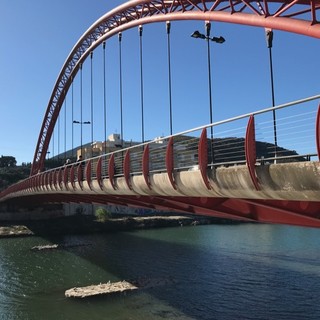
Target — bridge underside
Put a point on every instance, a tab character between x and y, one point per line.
302	213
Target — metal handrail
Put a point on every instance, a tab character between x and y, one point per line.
182	149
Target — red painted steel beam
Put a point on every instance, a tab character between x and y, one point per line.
214	207
267	211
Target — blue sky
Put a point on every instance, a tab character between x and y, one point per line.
37	36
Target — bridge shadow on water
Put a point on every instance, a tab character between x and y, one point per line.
197	278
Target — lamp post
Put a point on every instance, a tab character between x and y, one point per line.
141	84
196	34
81	123
269	39
168	27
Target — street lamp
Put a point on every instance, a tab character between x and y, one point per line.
269	39
196	34
81	123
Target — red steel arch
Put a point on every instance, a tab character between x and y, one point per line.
296	16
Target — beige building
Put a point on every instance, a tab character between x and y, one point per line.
97	148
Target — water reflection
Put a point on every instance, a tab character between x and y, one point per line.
212	272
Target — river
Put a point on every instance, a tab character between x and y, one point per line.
241	271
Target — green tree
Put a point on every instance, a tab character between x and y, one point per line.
7	161
10	175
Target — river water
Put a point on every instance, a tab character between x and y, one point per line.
242	271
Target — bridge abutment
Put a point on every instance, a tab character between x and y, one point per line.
14	212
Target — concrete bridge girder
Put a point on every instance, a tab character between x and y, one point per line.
299	181
187	180
287	181
139	184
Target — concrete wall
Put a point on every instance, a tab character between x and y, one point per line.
90	209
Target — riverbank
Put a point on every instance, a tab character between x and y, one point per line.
80	224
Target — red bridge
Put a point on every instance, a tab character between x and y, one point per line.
262	166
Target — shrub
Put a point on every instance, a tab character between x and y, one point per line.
102	214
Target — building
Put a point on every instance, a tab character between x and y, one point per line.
113	143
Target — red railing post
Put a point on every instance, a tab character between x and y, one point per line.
145	166
318	132
126	169
111	171
66	176
88	174
170	162
80	174
250	152
203	157
99	173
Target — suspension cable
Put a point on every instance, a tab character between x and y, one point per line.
81	120
65	128
52	145
91	94
58	136
104	98
120	83
72	118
